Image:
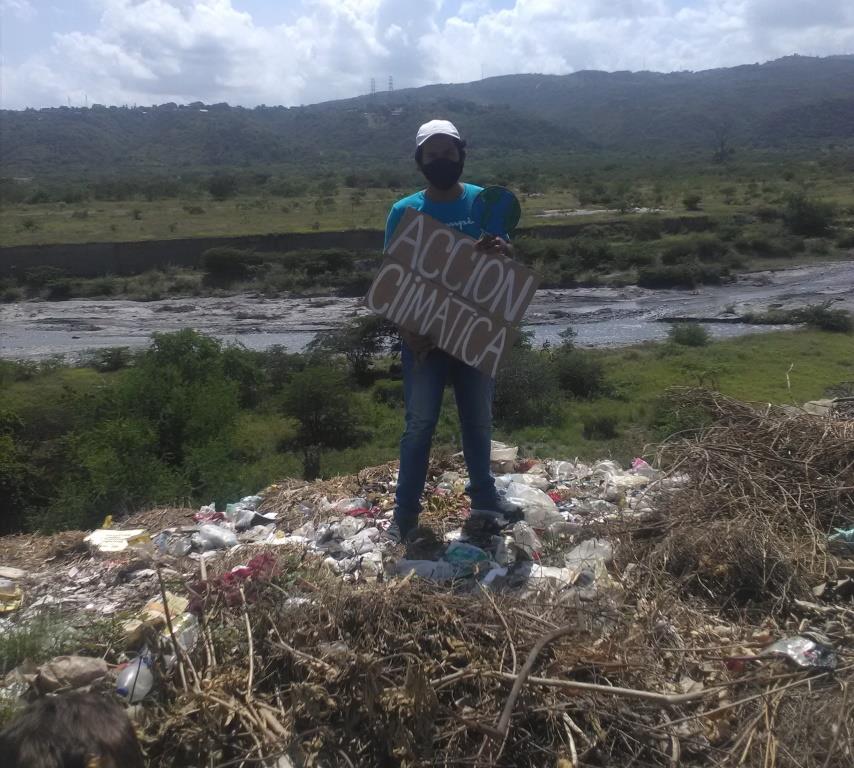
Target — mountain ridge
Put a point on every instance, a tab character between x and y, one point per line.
772	104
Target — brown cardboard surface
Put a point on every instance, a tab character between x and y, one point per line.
433	282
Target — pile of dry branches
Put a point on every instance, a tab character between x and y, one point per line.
768	484
405	673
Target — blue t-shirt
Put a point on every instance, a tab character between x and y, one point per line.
455	213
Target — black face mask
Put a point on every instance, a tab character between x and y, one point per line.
443	173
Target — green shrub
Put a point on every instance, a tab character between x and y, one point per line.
677	253
110	359
11	294
807	217
692	201
670	416
648	227
767	213
526	389
225	265
709	248
827	319
688	334
59	290
845	239
39	277
389	393
601	427
579	372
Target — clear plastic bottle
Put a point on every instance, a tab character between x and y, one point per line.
135	681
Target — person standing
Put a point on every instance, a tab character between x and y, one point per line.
440	155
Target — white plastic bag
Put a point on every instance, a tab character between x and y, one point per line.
538	508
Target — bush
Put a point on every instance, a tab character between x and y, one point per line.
827	319
59	290
579	372
807	217
677	253
647	228
526	390
681	276
767	213
225	265
39	277
389	393
709	248
111	359
692	201
602	427
845	240
688	334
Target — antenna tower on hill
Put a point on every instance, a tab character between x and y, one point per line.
373	86
390	84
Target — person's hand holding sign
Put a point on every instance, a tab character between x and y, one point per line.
494	245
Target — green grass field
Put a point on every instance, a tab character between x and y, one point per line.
616	185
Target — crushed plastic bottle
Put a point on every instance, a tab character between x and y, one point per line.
526	542
175	544
135	681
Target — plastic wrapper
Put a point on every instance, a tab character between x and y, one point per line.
538	508
526	543
535	481
464	556
804	651
431	570
352	506
211	536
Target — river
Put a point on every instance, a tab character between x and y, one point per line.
600	316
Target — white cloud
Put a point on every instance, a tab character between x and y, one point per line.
19	9
145	51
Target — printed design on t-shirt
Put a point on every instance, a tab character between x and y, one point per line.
459	224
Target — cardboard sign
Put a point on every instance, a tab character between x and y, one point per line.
434	283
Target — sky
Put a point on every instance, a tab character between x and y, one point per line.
250	52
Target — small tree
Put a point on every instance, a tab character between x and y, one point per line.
318	399
360	341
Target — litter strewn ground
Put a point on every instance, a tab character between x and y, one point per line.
700	614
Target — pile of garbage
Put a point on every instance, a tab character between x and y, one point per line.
616	623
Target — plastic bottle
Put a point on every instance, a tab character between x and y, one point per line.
135	681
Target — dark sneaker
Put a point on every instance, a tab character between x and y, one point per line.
503	512
394	534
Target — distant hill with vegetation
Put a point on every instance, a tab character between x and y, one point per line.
790	102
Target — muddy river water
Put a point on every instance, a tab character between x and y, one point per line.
600	316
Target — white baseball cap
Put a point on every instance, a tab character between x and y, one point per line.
434	127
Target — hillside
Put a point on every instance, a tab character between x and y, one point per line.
788	102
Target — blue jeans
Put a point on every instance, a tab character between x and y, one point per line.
423	388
